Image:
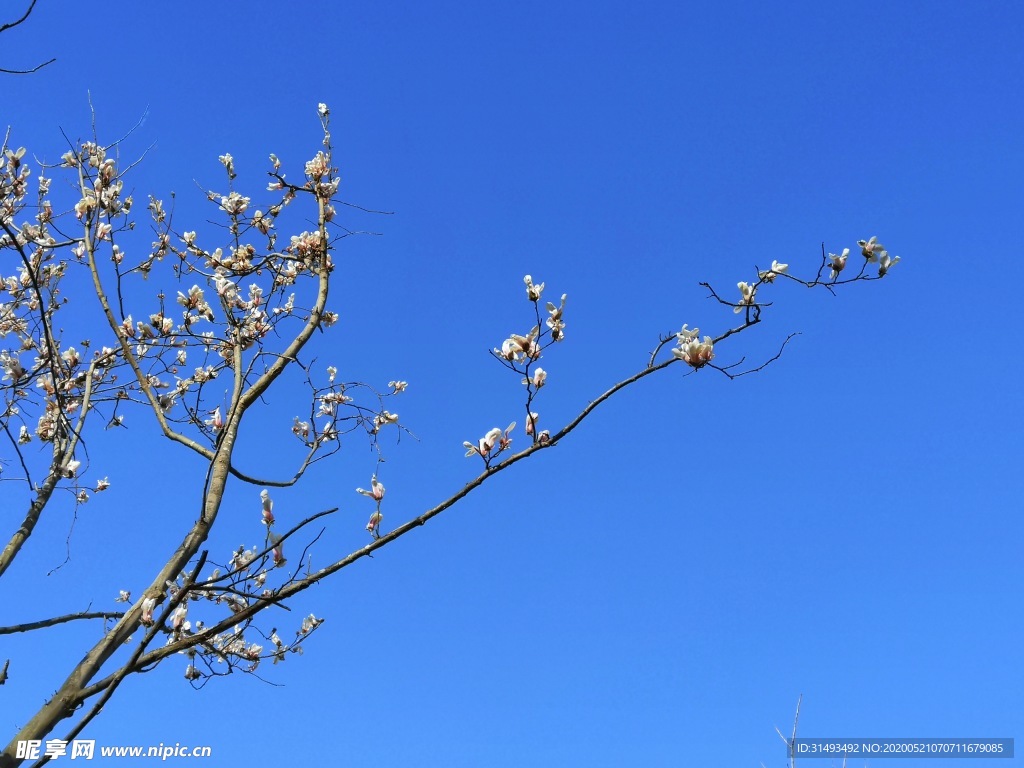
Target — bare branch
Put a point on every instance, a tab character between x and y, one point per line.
12	25
32	625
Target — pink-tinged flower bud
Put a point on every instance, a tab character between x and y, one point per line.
268	507
147	611
216	421
531	422
376	491
373	526
178	616
278	551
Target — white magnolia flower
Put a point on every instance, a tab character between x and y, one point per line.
777	269
885	263
533	292
225	288
486	444
554	321
322	110
300	428
234	203
518	348
531	422
695	352
178	616
871	248
398	386
746	297
147	611
537	380
837	262
686	334
383	418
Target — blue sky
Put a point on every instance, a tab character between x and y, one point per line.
660	589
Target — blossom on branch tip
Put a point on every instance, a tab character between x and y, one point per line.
373	526
837	262
746	297
777	269
318	167
102	485
870	249
147	611
517	348
885	263
268	507
216	421
322	109
376	491
278	544
71	468
531	422
178	616
124	596
398	386
692	350
383	418
225	288
486	444
537	380
554	321
309	623
234	204
533	292
300	428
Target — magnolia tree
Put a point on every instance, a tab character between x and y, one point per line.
252	298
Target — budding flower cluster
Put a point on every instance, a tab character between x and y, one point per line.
485	446
692	350
376	493
875	253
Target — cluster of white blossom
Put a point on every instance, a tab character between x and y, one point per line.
872	251
692	350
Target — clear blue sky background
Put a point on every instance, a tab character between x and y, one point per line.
660	589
